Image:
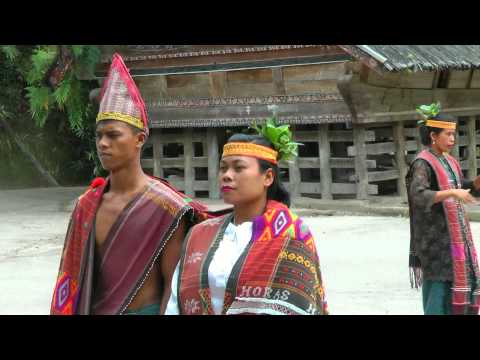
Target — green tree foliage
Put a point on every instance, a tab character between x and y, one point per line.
44	83
10	51
70	94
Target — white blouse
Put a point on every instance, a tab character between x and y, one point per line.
234	242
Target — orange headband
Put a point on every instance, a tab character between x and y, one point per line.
441	124
253	150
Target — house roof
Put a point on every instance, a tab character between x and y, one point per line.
385	57
418	57
162	52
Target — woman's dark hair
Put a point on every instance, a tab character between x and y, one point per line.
426	130
277	190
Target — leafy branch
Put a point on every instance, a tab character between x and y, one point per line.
280	136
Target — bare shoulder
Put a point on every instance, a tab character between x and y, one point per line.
163	190
166	198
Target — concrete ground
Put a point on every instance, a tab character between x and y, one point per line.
364	259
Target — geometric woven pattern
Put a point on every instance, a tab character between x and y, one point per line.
281	222
277	268
65	295
120	98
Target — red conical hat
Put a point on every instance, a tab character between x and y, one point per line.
120	98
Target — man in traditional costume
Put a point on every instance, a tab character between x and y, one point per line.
442	259
259	259
125	233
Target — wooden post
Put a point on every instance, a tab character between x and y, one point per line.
218	88
278	81
419	142
157	153
325	170
470	78
295	178
213	162
400	148
158	170
472	147
218	84
162	86
189	174
456	149
361	170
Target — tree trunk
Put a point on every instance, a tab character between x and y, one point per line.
49	178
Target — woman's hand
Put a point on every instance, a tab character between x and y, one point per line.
464	196
459	194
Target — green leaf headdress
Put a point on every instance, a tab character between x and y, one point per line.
428	112
281	138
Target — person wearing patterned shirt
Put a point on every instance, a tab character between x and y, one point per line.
259	259
443	259
126	232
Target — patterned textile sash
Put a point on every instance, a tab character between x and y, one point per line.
278	273
141	231
66	292
460	236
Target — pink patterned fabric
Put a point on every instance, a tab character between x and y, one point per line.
460	236
120	95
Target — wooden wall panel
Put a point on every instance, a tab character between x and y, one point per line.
246	90
189	85
314	72
250	76
311	87
458	79
416	80
152	88
320	78
218	84
244	83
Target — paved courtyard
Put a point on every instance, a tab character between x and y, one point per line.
364	259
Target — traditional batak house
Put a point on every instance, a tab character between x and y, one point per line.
353	106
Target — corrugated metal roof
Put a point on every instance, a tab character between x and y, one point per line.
424	57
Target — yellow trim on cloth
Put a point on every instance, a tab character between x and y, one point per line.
121	117
441	124
249	149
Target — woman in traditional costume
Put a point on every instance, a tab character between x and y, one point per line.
259	259
443	260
